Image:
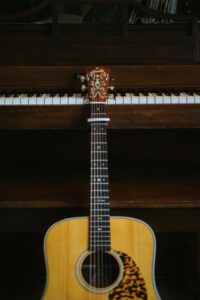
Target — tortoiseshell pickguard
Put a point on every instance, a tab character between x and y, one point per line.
132	285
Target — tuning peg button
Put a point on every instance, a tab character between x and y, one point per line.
83	88
82	78
111	88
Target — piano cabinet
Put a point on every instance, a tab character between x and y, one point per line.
153	150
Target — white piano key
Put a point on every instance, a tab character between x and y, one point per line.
158	98
151	98
183	98
196	99
16	100
174	99
32	100
24	99
166	99
9	100
80	100
86	100
134	99
2	100
119	99
142	99
48	99
127	98
111	99
40	99
72	99
190	99
64	99
56	100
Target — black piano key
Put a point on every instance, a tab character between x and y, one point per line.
176	93
136	92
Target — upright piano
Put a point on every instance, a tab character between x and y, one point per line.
154	138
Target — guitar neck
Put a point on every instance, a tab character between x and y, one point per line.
99	181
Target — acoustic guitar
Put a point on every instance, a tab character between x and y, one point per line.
99	257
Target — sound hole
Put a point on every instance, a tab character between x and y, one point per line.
100	269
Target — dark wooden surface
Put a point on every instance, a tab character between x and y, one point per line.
154	169
159	47
126	76
122	116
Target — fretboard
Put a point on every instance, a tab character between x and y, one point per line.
99	182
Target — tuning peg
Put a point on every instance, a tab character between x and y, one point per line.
83	88
80	77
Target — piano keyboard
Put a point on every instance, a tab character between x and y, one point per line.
134	98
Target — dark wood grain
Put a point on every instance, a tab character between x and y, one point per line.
54	77
154	169
126	192
122	116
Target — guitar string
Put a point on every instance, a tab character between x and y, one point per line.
105	193
97	192
107	239
102	192
94	210
100	196
91	204
92	237
96	256
102	188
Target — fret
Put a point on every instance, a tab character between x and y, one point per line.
99	197
100	227
101	234
93	244
94	194
100	209
94	151
99	168
98	160
99	133
95	221
96	143
100	202
99	183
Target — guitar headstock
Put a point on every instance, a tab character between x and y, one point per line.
97	81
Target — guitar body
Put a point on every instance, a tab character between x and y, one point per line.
133	249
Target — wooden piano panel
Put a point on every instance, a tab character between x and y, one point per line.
126	76
48	169
122	116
